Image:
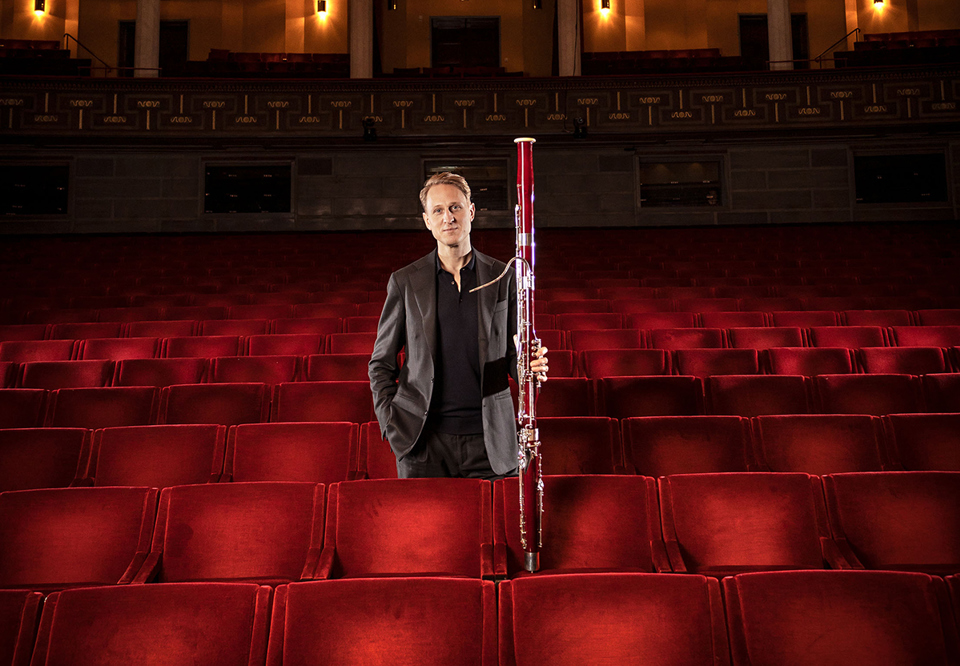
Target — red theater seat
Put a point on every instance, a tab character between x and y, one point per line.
160	372
203	623
685	338
838	617
33	458
903	360
927	336
351	343
423	527
403	620
162	329
262	311
19	615
589	321
198	346
662	445
324	310
85	331
925	441
806	318
707	362
361	324
943	392
66	537
297	344
944	317
317	327
599	363
12	332
623	397
564	396
157	456
729	523
308	452
876	318
375	459
339	367
103	407
323	401
755	395
242	532
266	369
765	338
904	521
224	404
8	374
653	320
563	363
734	319
590	523
615	618
820	444
703	304
65	374
195	312
625	338
851	337
118	349
809	361
220	327
130	314
579	444
869	394
26	351
21	408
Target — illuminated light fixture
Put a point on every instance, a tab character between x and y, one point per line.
537	4
604	6
877	2
321	6
39	7
392	5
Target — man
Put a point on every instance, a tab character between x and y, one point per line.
448	411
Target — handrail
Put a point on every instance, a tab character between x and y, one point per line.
837	43
83	46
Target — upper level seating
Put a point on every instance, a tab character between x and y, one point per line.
902	48
677	60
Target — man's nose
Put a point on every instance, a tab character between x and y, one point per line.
448	216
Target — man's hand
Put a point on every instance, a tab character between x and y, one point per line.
539	364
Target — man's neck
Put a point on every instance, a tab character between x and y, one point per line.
453	258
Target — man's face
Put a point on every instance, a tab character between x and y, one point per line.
448	216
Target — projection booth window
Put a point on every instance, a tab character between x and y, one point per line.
247	188
665	184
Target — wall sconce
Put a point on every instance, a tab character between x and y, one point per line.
39	7
877	2
579	128
604	6
369	129
537	4
322	7
392	5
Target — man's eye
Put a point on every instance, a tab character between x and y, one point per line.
455	207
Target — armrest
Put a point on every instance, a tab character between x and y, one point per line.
149	570
658	554
310	566
499	561
838	554
325	566
486	561
357	475
674	556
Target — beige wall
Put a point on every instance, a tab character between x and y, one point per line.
18	20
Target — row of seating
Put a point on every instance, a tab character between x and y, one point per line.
273	533
170	455
821	617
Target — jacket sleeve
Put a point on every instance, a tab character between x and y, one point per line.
383	368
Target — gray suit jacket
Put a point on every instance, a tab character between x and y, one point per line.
401	396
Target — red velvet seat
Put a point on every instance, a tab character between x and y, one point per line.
577	321
201	623
130	315
707	362
224	404
263	311
26	351
623	397
806	318
86	331
579	444
942	317
33	458
11	332
770	304
268	533
905	521
765	338
22	408
876	318
925	441
903	360
615	618
351	343
839	617
423	527
66	537
755	395
8	374
202	346
942	392
734	319
701	304
590	523
614	338
265	369
242	327
375	459
60	315
564	396
642	304
65	374
157	456
297	344
324	310
646	321
361	324
662	445
309	452
19	615
323	401
402	620
160	372
809	361
162	329
599	363
851	337
118	349
926	336
194	312
869	394
102	407
338	367
563	363
820	443
729	523
685	338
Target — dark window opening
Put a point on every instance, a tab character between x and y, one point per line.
900	178
669	184
34	190
174	47
247	189
488	180
464	42
755	40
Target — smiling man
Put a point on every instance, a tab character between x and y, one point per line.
448	411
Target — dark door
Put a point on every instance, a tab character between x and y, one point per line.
174	47
755	40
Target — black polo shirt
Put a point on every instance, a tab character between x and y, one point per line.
456	404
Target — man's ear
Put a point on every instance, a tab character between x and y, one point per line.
473	211
426	220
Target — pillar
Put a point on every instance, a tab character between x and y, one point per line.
147	41
568	29
360	17
780	34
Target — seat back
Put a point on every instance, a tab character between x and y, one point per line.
662	445
820	443
323	401
308	452
925	441
869	394
33	458
580	444
225	404
109	407
755	395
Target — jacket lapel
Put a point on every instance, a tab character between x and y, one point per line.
424	284
488	301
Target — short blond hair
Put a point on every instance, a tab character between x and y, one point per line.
445	178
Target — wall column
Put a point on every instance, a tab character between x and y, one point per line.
568	29
147	40
780	33
360	17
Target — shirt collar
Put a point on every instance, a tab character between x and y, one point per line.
471	265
